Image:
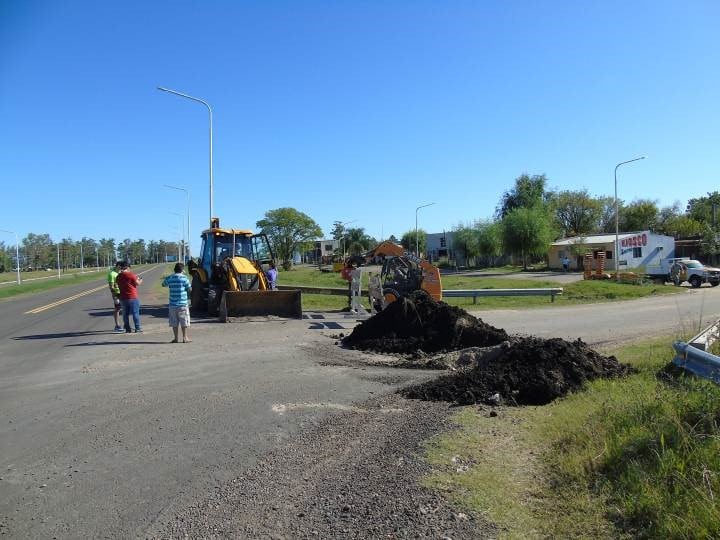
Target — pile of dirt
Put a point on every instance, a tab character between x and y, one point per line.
523	371
420	324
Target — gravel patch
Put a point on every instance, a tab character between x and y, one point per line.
355	475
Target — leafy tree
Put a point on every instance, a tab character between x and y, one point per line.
639	215
705	209
683	227
465	241
288	229
408	241
5	258
576	212
710	243
489	234
528	191
527	232
355	241
393	239
606	217
338	230
39	250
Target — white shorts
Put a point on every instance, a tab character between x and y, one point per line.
179	315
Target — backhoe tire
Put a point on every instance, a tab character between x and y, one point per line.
198	303
390	295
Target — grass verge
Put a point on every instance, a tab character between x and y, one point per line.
635	457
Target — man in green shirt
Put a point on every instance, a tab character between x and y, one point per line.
115	292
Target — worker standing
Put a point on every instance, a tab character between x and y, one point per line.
178	311
271	275
128	284
115	293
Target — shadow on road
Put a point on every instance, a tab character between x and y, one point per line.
131	342
60	335
158	312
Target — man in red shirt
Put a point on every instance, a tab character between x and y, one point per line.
128	284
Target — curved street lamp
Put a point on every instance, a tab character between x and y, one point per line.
17	253
417	242
617	218
211	139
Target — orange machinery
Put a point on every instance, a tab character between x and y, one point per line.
403	272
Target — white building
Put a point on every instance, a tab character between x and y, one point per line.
439	245
637	249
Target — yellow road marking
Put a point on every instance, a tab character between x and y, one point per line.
64	300
40	309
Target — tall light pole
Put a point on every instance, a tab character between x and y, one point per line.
211	139
342	238
617	218
17	253
181	255
417	242
187	211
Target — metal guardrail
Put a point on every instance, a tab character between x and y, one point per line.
449	293
694	357
475	293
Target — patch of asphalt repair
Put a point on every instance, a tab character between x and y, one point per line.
357	474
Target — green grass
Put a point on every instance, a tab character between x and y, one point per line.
637	457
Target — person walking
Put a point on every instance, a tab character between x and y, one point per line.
115	293
272	274
178	312
128	284
566	264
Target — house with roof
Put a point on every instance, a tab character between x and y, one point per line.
636	249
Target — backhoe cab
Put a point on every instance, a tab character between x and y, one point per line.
229	278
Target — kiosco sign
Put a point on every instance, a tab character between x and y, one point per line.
634	241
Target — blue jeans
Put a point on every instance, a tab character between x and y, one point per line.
131	306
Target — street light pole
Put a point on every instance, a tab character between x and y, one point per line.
617	219
342	238
417	242
181	255
17	253
211	139
187	195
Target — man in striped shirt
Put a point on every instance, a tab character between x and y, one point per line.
179	314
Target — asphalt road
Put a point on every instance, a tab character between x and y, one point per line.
103	435
106	435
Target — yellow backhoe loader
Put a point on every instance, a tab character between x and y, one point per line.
229	278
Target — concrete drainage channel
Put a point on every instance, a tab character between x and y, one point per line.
694	356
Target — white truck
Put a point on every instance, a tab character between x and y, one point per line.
696	272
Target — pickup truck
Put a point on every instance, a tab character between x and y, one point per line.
697	273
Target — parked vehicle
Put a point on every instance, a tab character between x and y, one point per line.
695	273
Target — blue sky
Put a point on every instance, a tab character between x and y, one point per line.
346	110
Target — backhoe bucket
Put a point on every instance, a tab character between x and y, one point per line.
253	303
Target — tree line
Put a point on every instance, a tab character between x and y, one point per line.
529	217
38	252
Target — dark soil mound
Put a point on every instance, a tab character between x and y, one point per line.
419	323
525	371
